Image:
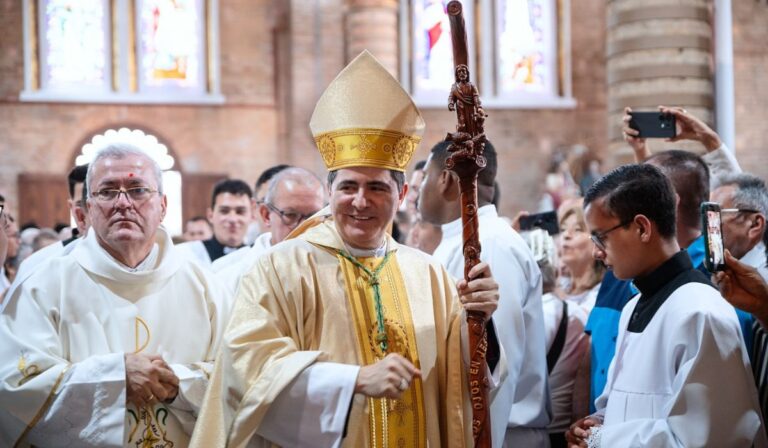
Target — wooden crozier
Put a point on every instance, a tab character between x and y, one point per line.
466	160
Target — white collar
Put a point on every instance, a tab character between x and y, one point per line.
367	253
454	227
756	256
146	265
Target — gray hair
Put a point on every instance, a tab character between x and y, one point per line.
750	191
120	151
301	176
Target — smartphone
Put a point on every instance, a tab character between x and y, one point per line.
714	250
653	124
546	221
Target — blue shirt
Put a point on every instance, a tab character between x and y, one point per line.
603	323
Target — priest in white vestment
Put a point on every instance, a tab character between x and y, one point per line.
340	336
293	195
112	344
681	375
520	410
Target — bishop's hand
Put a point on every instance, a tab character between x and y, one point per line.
387	378
148	378
481	293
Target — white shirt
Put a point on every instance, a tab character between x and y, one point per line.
522	400
586	300
721	162
563	376
757	259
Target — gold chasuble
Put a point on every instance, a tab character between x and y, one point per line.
303	303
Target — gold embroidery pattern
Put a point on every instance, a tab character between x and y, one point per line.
141	323
43	408
153	434
327	148
391	423
379	148
27	371
395	335
403	150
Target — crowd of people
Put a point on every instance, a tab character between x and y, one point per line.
331	312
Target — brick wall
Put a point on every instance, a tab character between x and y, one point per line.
238	137
750	47
277	58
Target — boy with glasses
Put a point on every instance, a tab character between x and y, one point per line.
681	375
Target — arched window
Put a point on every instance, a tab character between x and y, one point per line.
128	51
519	58
159	153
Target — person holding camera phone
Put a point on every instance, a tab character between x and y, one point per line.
677	341
718	157
690	176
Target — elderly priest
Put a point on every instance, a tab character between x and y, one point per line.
340	336
111	344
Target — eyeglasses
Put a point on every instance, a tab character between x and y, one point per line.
599	238
739	210
135	194
289	219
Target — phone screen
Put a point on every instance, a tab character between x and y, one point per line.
715	252
546	221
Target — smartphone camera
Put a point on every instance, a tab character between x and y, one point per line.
653	124
714	246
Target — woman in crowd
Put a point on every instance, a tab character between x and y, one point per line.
575	250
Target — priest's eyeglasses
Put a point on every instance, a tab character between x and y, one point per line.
134	194
289	219
599	237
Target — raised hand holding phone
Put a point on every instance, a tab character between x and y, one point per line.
714	258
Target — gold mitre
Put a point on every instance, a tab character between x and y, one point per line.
365	118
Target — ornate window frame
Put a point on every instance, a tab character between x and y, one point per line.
484	63
122	51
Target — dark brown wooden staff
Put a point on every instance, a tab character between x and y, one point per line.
466	160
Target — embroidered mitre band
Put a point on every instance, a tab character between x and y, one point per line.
365	118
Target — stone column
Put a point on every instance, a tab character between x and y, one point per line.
372	25
658	52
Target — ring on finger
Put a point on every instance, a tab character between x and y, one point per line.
150	398
403	384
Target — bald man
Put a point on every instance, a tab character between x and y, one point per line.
294	194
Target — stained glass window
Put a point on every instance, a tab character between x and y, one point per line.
514	56
433	57
121	51
75	44
170	43
526	46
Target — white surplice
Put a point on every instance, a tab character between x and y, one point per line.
197	250
230	268
28	266
520	410
685	381
65	333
